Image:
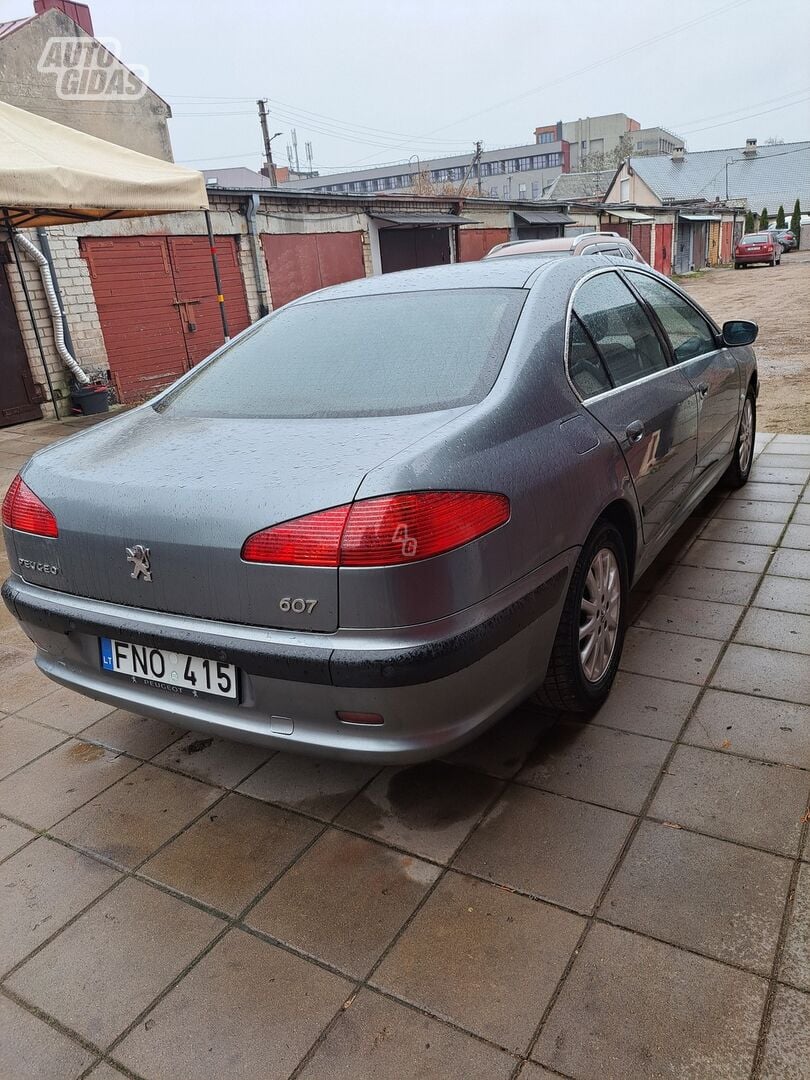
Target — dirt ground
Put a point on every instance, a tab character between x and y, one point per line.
778	298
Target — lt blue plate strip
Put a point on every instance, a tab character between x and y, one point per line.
106	654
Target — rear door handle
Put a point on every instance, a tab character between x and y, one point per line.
703	388
634	431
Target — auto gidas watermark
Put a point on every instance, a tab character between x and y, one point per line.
89	69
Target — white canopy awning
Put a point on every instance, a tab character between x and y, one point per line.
52	175
629	215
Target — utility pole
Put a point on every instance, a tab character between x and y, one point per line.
474	164
268	149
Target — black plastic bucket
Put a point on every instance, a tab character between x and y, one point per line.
89	400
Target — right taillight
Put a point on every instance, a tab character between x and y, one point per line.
389	530
26	512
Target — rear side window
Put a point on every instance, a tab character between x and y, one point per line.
379	355
688	332
584	365
620	329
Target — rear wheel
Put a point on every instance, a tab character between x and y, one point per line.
740	468
590	635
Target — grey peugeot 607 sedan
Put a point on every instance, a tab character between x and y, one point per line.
389	512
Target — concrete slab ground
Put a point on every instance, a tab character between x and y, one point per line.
622	899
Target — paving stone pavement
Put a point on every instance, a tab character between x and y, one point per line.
627	898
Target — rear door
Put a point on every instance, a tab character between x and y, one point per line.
647	404
710	368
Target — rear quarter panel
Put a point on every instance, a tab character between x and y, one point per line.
529	439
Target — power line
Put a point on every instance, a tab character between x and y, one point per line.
589	67
750	116
685	124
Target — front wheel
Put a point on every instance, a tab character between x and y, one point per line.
740	468
590	636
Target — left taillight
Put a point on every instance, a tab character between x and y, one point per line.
388	530
26	512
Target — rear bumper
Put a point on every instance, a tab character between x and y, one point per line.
768	259
435	685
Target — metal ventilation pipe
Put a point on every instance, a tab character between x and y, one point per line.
56	312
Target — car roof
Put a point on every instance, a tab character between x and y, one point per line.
481	274
555	244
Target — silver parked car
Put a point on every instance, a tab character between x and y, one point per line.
383	516
588	243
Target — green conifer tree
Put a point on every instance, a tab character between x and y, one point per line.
796	221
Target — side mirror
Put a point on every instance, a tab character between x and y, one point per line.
739	332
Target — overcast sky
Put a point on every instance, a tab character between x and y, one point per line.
375	82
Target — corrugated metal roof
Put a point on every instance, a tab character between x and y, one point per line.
237	177
433	220
544	217
774	175
580	185
7	28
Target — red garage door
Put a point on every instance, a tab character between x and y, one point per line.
663	248
642	238
475	243
157	302
299	263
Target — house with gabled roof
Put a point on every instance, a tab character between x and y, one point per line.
752	175
52	64
707	193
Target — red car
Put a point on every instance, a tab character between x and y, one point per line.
761	247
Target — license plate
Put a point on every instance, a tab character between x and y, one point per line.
173	671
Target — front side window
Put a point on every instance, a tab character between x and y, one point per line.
620	329
688	332
379	355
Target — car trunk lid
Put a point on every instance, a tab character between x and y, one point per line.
190	491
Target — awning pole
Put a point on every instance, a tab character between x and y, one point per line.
220	296
30	307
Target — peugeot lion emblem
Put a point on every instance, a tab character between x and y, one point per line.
138	555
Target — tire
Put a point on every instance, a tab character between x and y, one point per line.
740	468
567	685
736	266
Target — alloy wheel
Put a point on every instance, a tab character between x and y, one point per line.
746	435
599	615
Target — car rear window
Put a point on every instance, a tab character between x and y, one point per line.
381	355
756	238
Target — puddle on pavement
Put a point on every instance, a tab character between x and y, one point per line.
434	795
85	752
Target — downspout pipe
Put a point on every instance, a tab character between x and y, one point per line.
215	263
45	248
251	207
56	311
12	235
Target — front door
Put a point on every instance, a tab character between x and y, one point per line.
710	368
17	390
648	405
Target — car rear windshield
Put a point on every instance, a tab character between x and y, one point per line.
381	355
756	238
